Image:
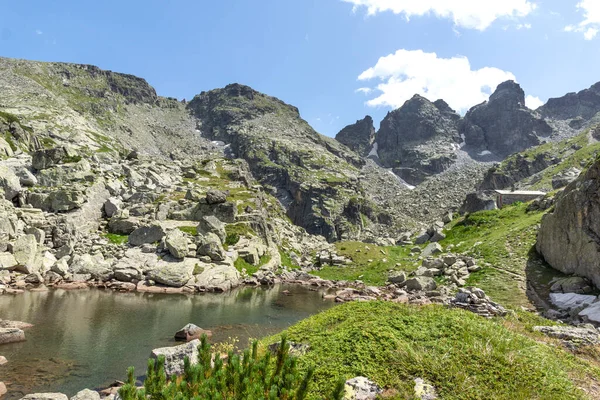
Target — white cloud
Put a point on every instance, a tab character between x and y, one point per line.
407	72
590	26
471	14
39	32
533	102
523	26
364	90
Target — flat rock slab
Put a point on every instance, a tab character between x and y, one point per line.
568	301
4	323
587	335
361	388
11	335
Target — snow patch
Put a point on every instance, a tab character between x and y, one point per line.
485	153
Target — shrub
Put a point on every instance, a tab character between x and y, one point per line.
242	377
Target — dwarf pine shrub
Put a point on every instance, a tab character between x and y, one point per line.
245	377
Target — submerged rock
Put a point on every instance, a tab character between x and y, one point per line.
11	335
191	332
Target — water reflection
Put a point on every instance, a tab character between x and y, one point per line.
88	338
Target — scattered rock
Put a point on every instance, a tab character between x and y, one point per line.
86	394
146	234
45	396
177	243
191	332
361	388
424	390
475	300
587	336
174	356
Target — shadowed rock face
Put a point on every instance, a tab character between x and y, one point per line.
359	136
584	104
569	237
419	139
503	125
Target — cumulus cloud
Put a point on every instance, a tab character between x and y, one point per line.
406	72
533	102
471	14
364	90
39	32
590	26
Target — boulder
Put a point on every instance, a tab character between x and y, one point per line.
94	265
397	277
569	237
146	234
25	252
3	390
573	284
122	224
591	313
211	224
86	394
191	332
26	177
218	278
11	335
7	261
112	206
361	388
210	245
43	159
128	274
174	356
579	335
45	396
9	183
216	196
173	272
431	249
177	243
478	201
3	360
421	283
424	390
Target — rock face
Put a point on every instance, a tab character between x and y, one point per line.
569	237
174	356
359	136
503	125
584	104
419	139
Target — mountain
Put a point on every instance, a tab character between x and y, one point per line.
359	136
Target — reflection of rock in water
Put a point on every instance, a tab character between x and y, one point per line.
36	375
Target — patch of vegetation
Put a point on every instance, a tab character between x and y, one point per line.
370	263
198	269
463	355
116	238
71	159
48	143
241	264
247	376
503	238
104	149
236	231
286	260
190	230
9	139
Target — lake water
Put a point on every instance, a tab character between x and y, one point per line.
87	339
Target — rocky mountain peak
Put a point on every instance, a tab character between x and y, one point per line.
358	136
503	125
418	139
509	94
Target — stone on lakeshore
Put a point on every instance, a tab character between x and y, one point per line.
592	313
174	356
361	388
15	324
24	251
11	335
45	396
3	360
191	332
3	390
86	394
177	243
7	261
172	272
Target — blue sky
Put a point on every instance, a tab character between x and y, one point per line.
310	53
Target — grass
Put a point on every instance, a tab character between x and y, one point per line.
116	238
190	230
241	264
370	263
236	231
503	238
286	260
463	355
